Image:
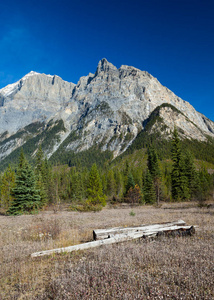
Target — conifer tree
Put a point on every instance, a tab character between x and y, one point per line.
41	190
190	173
7	185
77	186
166	182
119	184
104	182
184	187
152	163
149	189
111	184
22	160
94	190
180	188
50	184
26	196
126	172
154	170
41	172
127	169
40	164
137	175
130	182
204	185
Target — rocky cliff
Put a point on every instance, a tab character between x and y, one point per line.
36	97
108	108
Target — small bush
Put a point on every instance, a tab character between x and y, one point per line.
132	213
42	231
86	207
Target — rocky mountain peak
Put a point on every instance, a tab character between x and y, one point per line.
31	73
104	66
35	97
107	109
14	87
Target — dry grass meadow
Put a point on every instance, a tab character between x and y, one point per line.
160	268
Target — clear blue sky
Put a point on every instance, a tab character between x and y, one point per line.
171	39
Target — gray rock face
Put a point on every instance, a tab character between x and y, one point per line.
171	118
36	97
106	108
109	108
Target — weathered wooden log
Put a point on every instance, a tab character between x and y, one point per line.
115	239
100	234
184	231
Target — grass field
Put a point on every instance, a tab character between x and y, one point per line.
161	268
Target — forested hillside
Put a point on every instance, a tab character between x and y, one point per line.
159	171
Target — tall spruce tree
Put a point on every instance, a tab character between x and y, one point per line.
111	184
41	177
26	196
180	188
119	183
152	163
204	185
95	190
149	189
130	182
77	186
191	174
154	170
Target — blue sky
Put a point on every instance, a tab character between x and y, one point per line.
171	39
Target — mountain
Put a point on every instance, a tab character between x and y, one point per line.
36	97
107	110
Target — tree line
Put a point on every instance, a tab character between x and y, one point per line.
29	188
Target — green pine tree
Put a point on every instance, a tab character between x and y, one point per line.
204	185
127	168
179	180
26	196
111	184
191	174
40	164
104	182
153	164
95	190
130	182
22	160
154	169
49	181
41	190
119	184
149	189
41	176
184	186
7	185
77	186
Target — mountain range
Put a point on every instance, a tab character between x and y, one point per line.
106	110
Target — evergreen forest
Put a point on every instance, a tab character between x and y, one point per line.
144	175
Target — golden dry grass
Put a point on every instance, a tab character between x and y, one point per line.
163	268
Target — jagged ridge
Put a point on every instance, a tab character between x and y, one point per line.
106	110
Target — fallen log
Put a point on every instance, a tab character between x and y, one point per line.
127	236
100	234
184	231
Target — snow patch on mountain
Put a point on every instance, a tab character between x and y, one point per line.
14	87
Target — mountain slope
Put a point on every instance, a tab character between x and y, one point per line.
105	111
158	130
34	98
111	107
